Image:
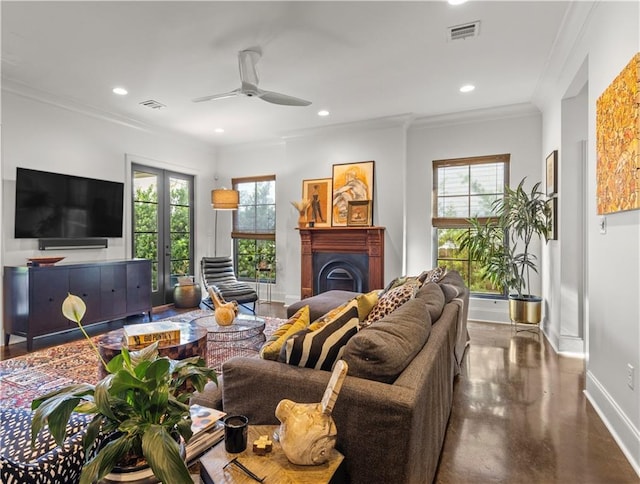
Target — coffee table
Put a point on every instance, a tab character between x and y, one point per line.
193	342
242	338
273	466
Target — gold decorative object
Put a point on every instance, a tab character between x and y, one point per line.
302	207
307	431
224	312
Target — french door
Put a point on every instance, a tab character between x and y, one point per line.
163	226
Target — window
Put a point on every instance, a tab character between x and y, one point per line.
254	227
465	188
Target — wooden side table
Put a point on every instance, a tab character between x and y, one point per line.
274	466
193	342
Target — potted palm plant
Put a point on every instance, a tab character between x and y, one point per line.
503	247
140	410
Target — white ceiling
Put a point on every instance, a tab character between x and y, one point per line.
359	60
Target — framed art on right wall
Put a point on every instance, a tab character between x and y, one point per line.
552	173
553	232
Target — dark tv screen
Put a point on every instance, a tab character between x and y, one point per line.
53	205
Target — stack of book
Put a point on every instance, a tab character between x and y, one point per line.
138	336
207	428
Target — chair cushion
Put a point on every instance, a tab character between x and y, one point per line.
218	272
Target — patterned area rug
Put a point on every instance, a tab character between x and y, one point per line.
24	377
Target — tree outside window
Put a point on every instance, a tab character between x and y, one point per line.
465	188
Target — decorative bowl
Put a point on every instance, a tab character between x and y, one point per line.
44	261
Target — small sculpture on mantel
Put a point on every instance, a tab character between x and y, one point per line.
307	430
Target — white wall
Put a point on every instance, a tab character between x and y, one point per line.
516	131
311	156
42	136
608	41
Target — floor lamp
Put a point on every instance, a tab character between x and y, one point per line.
223	199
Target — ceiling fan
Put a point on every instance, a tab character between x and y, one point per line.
247	60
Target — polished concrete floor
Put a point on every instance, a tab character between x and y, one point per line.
519	413
520	416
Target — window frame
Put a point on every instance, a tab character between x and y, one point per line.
462	222
238	235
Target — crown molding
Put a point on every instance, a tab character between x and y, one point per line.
71	104
398	120
476	115
571	30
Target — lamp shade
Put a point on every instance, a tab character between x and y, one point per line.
224	199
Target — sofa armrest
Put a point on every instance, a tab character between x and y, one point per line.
210	397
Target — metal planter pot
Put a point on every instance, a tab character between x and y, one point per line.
525	310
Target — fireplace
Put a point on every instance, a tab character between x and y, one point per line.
342	271
345	258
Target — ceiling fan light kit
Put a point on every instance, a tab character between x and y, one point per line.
247	60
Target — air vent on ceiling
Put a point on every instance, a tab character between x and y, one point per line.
457	32
152	104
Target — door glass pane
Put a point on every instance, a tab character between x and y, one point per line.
145	220
179	227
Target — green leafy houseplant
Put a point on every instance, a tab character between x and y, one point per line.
141	406
502	247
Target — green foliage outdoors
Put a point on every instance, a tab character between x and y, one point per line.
256	216
454	257
145	220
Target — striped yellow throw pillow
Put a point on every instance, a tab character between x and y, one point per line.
299	321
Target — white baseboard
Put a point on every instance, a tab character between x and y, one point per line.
571	345
626	435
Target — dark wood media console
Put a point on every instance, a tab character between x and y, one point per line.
112	290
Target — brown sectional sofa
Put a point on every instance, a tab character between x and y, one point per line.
390	427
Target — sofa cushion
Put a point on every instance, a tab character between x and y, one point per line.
320	349
390	301
383	350
431	293
299	321
450	292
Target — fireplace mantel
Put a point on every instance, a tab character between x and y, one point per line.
348	240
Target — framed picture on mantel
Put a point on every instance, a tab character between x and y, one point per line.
318	192
351	181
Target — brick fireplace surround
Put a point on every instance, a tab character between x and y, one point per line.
347	241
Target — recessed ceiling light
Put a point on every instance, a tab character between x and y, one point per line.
219	130
323	112
456	2
467	88
120	91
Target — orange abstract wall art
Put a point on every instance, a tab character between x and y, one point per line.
617	140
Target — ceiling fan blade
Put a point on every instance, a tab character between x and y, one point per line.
277	98
233	93
247	60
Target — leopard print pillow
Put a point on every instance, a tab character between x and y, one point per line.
392	300
434	275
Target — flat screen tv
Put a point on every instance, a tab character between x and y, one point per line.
53	205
